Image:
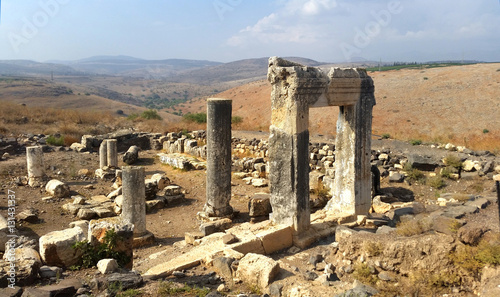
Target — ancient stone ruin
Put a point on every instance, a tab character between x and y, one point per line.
218	157
296	88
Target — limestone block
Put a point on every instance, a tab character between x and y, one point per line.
57	189
259	205
257	269
379	206
249	246
124	232
173	190
28	263
151	189
55	247
82	224
468	165
106	266
78	147
276	239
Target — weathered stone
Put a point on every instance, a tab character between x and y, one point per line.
27	265
106	266
50	271
458	212
112	152
131	156
259	182
378	206
218	187
222	266
276	239
229	239
124	232
29	215
57	189
490	278
56	247
215	226
151	189
351	191
126	280
36	172
134	204
257	269
83	224
78	147
396	177
161	180
422	162
471	235
86	214
259	205
103	155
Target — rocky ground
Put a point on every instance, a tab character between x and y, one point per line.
446	240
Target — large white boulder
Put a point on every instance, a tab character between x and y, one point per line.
56	247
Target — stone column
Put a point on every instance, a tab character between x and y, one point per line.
134	203
134	198
294	89
112	152
36	171
351	193
103	154
218	157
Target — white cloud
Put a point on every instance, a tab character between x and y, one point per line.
372	28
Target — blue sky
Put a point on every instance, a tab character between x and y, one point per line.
229	30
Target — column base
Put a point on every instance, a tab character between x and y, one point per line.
225	212
143	239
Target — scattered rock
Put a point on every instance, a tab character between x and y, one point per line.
259	205
257	269
106	266
131	156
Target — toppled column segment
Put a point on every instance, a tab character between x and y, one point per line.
294	89
218	186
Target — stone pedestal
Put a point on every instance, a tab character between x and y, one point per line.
36	170
134	203
218	158
103	154
294	89
351	192
112	152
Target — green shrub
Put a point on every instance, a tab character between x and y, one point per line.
169	289
150	115
436	182
426	78
52	140
415	141
386	136
475	258
453	161
413	174
92	254
236	120
486	131
133	116
199	118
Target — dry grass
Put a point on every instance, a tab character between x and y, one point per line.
71	124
